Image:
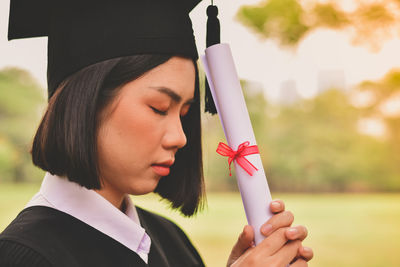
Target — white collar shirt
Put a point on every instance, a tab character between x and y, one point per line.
91	208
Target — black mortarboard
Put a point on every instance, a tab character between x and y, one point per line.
84	32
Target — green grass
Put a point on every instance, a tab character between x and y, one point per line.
344	229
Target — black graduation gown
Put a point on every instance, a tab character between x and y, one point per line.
43	236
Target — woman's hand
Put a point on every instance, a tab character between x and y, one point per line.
282	245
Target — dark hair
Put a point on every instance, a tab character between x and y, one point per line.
65	143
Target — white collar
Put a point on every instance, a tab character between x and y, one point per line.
94	210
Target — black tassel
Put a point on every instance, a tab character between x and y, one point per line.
213	37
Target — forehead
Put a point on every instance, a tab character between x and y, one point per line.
177	74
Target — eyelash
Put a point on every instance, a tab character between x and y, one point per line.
162	113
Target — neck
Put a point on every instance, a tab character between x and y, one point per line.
116	198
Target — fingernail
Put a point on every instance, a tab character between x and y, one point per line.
266	228
307	249
276	205
242	233
292	231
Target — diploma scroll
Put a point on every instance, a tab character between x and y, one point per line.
228	97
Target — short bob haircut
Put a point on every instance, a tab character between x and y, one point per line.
65	143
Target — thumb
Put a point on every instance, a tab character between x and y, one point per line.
244	242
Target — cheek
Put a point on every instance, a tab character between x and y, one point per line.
128	134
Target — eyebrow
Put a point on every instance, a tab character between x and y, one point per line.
174	96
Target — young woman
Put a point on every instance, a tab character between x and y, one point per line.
127	123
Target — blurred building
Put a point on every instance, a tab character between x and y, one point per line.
288	93
252	87
331	79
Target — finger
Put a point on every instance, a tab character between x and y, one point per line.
297	232
277	206
273	242
283	219
306	253
244	242
299	263
287	253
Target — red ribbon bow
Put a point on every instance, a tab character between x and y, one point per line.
243	150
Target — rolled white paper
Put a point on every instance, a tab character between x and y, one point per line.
228	97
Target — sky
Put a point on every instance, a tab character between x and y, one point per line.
257	60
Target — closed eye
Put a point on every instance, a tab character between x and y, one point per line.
160	112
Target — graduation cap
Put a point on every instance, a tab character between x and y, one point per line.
84	32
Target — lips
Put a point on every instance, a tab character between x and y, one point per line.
162	168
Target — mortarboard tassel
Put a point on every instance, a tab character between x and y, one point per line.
213	37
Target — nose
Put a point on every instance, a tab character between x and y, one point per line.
174	137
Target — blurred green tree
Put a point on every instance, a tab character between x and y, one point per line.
315	145
384	105
289	21
21	106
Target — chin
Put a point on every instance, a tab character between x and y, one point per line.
144	188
